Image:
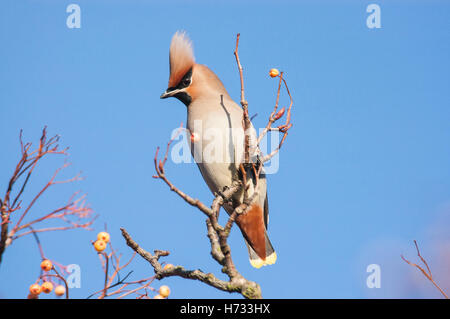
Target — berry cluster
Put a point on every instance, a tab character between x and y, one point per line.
47	285
101	242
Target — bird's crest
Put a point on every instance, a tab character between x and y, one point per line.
181	57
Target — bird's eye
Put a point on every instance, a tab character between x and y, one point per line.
186	81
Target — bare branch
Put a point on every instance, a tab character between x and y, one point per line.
248	289
246	120
426	273
10	203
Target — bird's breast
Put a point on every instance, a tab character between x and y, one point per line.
217	144
216	140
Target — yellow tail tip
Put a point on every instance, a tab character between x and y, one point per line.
258	263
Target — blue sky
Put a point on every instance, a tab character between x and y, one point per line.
365	169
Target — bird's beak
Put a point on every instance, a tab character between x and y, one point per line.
169	93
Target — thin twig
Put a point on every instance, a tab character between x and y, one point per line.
426	273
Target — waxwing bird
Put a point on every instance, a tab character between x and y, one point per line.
214	122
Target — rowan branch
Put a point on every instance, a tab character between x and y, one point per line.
217	234
76	214
241	286
112	267
246	124
275	116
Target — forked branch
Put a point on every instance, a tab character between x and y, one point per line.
426	272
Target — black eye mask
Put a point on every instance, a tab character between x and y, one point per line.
184	83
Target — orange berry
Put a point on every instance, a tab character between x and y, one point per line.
46	265
194	137
274	73
100	245
47	287
60	290
103	236
31	296
158	297
35	289
164	291
167	266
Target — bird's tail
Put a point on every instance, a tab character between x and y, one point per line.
253	229
258	262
